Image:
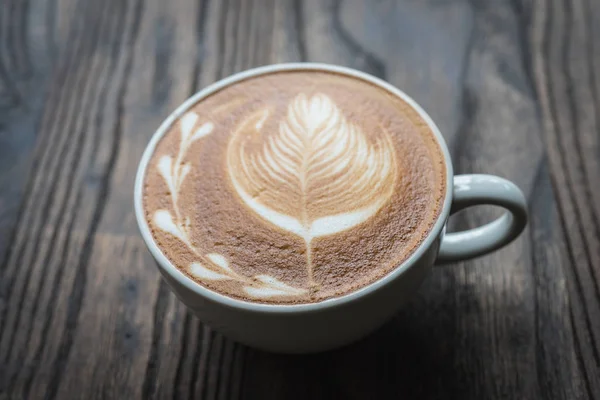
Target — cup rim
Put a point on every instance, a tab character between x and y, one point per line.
231	302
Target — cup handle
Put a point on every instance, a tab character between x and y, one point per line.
476	189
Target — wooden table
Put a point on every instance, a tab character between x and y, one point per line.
514	87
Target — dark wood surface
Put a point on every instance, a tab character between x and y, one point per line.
514	86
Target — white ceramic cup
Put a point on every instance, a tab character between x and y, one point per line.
338	321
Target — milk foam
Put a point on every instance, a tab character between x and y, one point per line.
293	187
318	175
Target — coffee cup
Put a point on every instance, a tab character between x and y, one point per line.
340	320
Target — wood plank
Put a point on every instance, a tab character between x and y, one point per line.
565	59
24	69
48	267
559	374
512	86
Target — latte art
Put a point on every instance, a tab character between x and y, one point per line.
293	187
317	175
174	172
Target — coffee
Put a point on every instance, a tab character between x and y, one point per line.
294	187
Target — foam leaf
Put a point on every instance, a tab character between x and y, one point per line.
202	272
164	221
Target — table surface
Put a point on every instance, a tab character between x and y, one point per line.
514	87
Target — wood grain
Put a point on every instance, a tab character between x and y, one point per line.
83	84
565	69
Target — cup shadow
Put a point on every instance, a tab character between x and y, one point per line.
411	356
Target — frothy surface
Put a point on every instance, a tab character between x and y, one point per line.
294	187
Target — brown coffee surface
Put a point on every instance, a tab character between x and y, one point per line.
294	187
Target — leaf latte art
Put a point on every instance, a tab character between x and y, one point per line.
316	175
